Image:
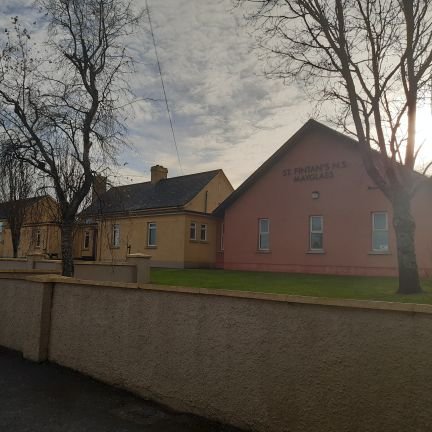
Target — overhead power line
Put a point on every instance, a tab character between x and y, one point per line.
163	87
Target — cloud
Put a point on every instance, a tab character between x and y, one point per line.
225	113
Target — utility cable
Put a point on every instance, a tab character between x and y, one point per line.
163	86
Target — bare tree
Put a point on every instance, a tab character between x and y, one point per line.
62	103
17	185
373	58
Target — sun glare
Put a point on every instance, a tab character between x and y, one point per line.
424	134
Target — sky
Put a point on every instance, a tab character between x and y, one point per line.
225	113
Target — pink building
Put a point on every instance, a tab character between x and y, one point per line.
312	208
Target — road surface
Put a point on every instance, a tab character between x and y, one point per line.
49	398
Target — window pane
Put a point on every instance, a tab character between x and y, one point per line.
316	241
203	232
316	223
192	234
264	241
116	235
152	234
264	225
86	239
380	240
380	221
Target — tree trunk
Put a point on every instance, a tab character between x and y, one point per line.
66	248
404	226
15	244
16	236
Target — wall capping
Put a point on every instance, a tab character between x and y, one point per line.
281	298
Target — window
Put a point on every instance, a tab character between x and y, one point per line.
316	233
37	238
222	236
86	242
1	232
192	231
380	232
151	234
263	234
115	235
203	232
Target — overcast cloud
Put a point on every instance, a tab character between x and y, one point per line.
225	113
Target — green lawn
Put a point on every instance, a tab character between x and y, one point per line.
346	287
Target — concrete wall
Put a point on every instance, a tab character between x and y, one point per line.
13	263
199	253
25	313
211	195
133	233
135	269
105	271
48	265
173	245
347	198
262	362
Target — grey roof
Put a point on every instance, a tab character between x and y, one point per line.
171	192
7	207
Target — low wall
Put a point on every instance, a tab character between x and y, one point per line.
266	363
135	269
25	311
101	271
13	263
48	265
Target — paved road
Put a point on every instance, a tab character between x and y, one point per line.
48	398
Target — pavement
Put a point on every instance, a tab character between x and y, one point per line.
48	398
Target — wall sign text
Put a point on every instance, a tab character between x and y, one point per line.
314	172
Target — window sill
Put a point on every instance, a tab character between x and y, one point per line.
114	247
315	252
385	252
263	251
151	247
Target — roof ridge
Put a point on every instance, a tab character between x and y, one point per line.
169	178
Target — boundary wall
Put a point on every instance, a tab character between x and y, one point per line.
262	362
136	268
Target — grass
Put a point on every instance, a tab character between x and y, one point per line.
340	287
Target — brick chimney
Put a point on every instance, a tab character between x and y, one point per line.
158	172
99	186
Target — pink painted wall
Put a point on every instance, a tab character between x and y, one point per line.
346	203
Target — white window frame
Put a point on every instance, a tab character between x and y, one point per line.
151	226
203	230
194	225
262	233
312	231
86	240
374	230
115	233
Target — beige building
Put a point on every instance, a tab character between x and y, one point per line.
40	233
167	218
